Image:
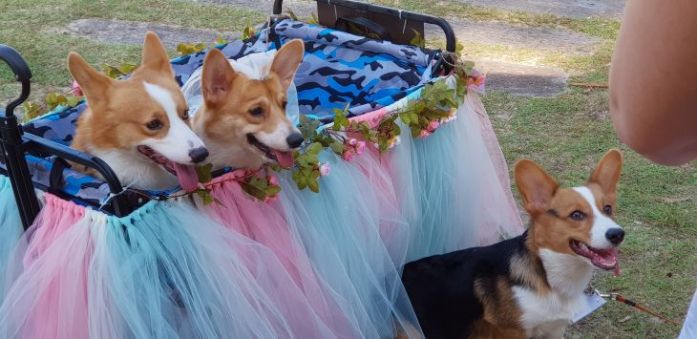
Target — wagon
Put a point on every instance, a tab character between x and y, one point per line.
414	169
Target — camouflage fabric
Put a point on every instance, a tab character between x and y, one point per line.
338	69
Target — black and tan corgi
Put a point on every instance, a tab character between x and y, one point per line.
530	285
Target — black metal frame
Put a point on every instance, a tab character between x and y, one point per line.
14	144
450	41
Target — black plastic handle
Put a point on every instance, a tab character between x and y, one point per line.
11	144
450	41
22	74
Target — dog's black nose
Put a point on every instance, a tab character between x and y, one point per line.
198	154
295	140
615	235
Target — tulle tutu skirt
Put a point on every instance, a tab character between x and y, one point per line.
11	231
453	185
165	271
258	220
356	240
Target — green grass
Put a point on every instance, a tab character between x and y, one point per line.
35	29
567	134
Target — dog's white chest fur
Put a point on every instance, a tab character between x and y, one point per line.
548	315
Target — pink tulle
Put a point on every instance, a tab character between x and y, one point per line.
263	223
54	277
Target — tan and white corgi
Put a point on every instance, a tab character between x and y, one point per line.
243	116
531	285
139	125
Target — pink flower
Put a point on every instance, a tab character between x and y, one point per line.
349	153
75	88
476	81
449	119
432	126
396	141
272	179
424	133
360	147
352	141
324	169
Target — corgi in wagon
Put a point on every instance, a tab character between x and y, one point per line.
139	126
243	116
531	285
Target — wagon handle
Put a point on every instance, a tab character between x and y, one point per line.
14	143
12	146
450	41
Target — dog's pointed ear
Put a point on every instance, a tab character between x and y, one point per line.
607	173
217	78
535	186
287	60
94	84
155	55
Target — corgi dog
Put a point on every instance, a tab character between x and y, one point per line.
139	126
531	285
242	118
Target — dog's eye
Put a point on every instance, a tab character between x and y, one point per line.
154	124
607	209
256	111
185	115
284	103
577	215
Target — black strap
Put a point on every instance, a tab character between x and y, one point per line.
55	177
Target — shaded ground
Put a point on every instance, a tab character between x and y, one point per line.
565	8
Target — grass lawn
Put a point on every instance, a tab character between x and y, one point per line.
567	134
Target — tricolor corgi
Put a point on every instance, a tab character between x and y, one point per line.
243	116
138	126
531	285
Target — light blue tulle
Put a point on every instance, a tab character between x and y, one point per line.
449	189
341	230
10	230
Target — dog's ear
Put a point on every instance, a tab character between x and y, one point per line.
155	55
217	78
535	186
607	173
94	84
287	60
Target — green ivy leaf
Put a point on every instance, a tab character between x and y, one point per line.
248	32
205	196
127	68
204	173
72	100
308	127
32	110
337	147
313	19
340	119
418	39
219	40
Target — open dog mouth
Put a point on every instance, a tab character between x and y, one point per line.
605	259
283	158
186	174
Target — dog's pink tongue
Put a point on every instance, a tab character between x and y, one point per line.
188	179
285	159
